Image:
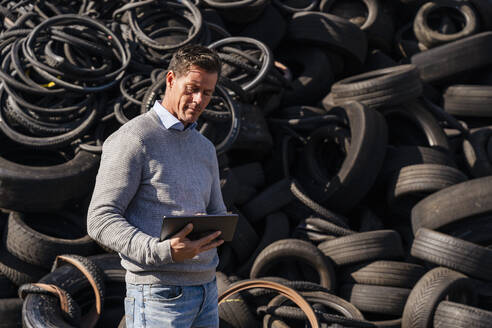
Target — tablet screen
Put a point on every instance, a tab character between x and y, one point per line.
202	225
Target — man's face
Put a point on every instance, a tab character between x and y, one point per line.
190	93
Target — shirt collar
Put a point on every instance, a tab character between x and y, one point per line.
169	121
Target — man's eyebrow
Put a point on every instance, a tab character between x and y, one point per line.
194	83
197	84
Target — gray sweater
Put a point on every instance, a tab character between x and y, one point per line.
148	172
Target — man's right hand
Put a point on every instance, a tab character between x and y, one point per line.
183	248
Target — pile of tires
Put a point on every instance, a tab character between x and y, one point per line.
354	141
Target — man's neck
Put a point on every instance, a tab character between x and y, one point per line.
165	103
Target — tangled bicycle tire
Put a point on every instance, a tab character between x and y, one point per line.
354	140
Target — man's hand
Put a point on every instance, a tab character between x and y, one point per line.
183	248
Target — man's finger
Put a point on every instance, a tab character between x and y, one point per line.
211	245
208	238
185	231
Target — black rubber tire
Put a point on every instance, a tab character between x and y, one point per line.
332	217
413	183
266	58
295	249
287	8
226	258
251	174
484	10
260	296
466	199
211	15
433	287
254	134
369	220
241	14
469	100
312	236
42	189
261	28
377	59
271	199
476	154
383	273
245	238
233	128
90	266
418	114
48	142
484	296
401	156
223	282
276	228
489	149
327	227
71	313
431	38
298	285
328	30
454	58
364	246
11	312
314	78
270	321
114	307
376	299
378	23
245	194
405	42
41	249
477	230
229	186
454	253
347	313
359	169
35	126
235	313
16	270
41	311
451	314
7	288
326	139
4	216
391	323
423	179
387	86
303	118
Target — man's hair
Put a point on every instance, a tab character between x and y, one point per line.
193	54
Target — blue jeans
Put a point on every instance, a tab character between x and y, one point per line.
156	305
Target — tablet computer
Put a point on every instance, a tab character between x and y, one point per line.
202	225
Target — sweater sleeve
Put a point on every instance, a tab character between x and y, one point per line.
117	181
216	204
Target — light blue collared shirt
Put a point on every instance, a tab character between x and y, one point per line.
169	120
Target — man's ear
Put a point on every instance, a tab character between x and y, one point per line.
170	77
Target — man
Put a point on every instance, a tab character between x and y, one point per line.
158	165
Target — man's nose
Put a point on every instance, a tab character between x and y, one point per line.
197	97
